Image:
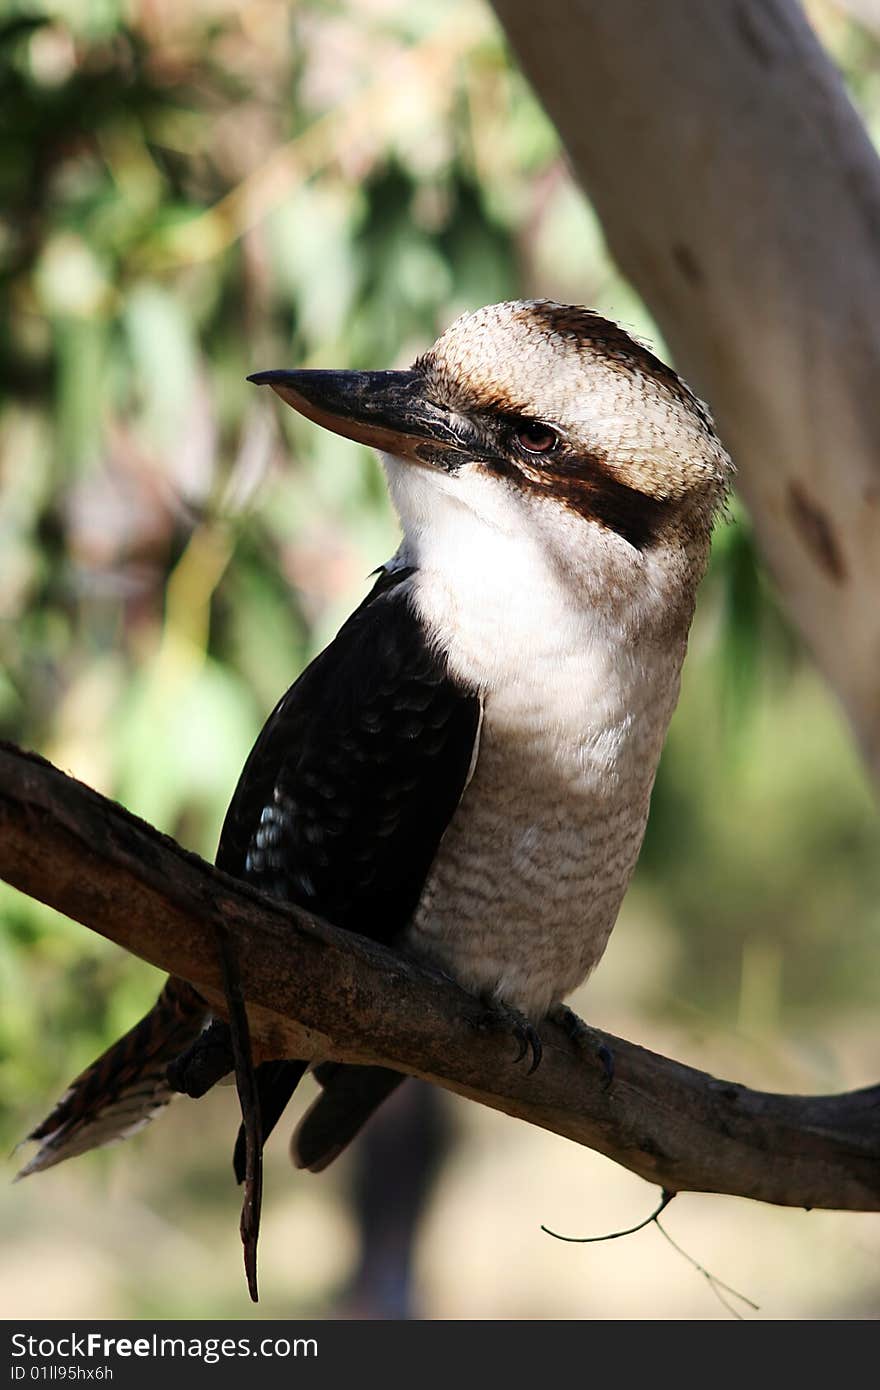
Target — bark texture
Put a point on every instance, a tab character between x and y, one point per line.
312	988
740	194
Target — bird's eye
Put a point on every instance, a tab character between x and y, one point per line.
536	438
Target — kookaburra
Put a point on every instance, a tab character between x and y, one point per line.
465	771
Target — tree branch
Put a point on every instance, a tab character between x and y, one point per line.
740	194
313	989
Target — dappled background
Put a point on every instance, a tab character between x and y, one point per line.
189	193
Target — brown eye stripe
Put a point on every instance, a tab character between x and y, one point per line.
634	515
585	484
588	487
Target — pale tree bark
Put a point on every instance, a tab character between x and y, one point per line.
740	194
315	990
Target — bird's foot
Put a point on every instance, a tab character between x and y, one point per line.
501	1016
203	1064
584	1038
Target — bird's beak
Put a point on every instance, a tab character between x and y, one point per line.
387	410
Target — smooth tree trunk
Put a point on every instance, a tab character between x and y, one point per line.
740	194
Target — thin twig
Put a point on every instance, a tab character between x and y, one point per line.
616	1235
718	1286
715	1284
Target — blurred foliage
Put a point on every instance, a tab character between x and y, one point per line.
189	193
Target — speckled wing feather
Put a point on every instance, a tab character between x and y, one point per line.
353	780
352	783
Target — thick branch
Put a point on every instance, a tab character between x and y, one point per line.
313	987
741	195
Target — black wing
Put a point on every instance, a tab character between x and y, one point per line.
343	802
340	808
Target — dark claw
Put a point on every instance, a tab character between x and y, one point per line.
583	1037
203	1064
529	1037
499	1015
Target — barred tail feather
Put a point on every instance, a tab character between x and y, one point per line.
121	1091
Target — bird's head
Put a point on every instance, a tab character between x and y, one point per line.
542	421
